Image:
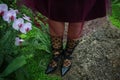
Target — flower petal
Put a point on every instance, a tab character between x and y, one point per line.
18	23
18	41
26	27
9	15
3	8
26	18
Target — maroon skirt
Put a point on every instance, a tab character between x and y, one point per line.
69	10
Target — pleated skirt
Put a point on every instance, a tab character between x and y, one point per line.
69	10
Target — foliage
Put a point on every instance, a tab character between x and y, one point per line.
115	17
14	59
37	66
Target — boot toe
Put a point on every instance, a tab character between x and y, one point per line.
50	69
65	70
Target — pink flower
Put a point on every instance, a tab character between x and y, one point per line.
18	41
3	8
26	18
10	15
26	27
18	23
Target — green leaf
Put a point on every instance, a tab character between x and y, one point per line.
44	48
23	36
14	65
1	79
20	75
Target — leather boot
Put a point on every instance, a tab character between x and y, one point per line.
56	51
70	46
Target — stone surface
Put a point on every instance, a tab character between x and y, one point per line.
97	57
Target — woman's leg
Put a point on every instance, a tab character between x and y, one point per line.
74	33
56	33
56	28
74	30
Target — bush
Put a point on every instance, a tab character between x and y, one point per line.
115	17
13	59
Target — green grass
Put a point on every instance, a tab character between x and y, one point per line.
115	22
115	17
36	67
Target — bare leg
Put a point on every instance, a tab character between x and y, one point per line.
56	33
56	28
74	30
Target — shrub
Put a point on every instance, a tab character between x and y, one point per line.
14	55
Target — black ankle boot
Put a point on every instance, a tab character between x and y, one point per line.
56	51
53	64
66	65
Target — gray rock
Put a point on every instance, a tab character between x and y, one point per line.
97	57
